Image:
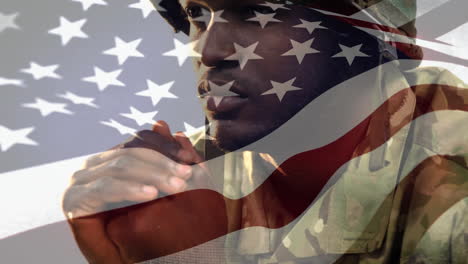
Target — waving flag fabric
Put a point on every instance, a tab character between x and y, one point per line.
79	79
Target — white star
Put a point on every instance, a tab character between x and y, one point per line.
79	100
350	53
217	17
263	19
145	6
309	26
68	30
218	92
88	3
157	92
141	118
207	19
123	50
46	108
38	72
301	49
9	138
280	89
121	128
275	6
243	55
189	129
183	51
6	81
104	79
8	21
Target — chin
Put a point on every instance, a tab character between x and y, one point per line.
228	145
231	136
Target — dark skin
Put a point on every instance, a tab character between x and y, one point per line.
257	115
158	162
131	173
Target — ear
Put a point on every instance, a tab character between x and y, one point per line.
172	12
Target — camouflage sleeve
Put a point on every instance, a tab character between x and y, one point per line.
446	240
459	236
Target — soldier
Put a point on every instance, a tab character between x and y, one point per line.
314	143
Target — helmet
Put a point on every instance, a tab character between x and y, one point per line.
397	14
400	14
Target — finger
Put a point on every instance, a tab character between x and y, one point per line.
150	140
155	141
131	168
143	154
85	200
102	157
162	128
187	153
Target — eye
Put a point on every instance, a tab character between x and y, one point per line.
194	11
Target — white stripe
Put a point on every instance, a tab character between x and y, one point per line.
446	120
337	111
457	37
459	52
395	20
449	141
368	14
31	197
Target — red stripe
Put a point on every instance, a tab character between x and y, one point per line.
179	222
184	220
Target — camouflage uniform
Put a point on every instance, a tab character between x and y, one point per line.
395	211
404	203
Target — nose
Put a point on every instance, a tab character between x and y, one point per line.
216	44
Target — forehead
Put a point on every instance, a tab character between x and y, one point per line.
222	4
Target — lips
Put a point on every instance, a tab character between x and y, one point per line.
225	103
222	104
204	89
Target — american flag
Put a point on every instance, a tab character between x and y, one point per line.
80	76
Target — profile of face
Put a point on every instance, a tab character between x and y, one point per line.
261	62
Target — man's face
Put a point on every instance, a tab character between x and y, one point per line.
267	35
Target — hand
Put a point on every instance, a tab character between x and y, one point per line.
136	171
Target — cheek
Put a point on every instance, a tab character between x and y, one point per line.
274	42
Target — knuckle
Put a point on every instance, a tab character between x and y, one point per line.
131	152
69	199
128	153
144	134
119	152
91	160
98	158
101	186
121	163
77	175
66	200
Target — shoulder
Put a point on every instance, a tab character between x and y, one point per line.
445	241
438	75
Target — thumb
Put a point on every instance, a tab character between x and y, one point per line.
187	153
163	129
201	175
